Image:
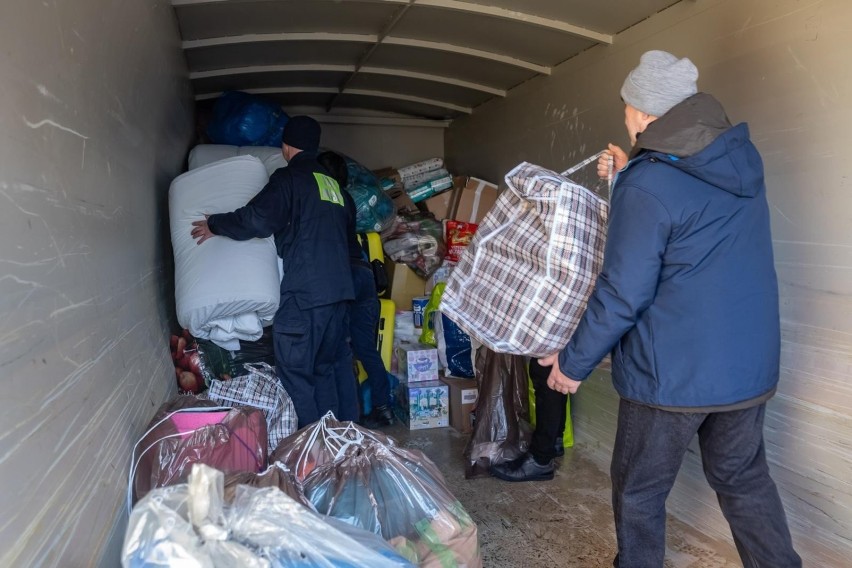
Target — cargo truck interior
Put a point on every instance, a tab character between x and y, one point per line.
100	102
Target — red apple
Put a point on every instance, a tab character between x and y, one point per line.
189	382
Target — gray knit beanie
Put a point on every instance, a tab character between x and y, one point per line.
659	82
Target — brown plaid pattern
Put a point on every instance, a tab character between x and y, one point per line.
259	388
522	284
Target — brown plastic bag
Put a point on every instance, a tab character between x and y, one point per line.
501	429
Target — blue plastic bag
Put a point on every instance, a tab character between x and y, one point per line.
243	119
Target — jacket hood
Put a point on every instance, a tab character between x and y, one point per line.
696	136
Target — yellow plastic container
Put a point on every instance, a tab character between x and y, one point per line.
384	343
374	246
568	433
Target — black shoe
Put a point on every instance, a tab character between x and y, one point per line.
560	449
525	468
379	417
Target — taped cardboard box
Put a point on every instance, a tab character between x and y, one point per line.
472	199
463	395
439	205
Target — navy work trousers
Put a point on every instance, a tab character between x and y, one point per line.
312	356
363	331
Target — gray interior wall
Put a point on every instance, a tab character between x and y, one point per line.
380	146
95	120
782	66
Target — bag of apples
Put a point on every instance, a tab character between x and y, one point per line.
189	364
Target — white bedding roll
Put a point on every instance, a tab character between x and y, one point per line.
225	290
204	154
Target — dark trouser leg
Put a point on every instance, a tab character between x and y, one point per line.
345	382
550	408
649	448
295	349
364	329
732	451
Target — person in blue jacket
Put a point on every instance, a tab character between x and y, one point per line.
687	304
364	310
303	207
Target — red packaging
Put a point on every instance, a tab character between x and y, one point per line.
458	236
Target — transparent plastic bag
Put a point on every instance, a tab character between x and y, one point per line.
399	494
416	240
324	441
190	525
189	430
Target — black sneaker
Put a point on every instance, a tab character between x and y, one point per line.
560	449
525	468
379	417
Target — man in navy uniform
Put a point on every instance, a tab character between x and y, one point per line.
303	207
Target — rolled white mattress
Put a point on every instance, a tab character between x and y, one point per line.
225	290
204	154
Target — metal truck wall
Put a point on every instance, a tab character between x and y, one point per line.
782	66
95	120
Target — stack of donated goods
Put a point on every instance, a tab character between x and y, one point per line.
221	477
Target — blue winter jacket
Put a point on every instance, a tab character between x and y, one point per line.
687	300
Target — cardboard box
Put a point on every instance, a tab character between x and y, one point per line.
423	405
417	363
472	199
401	199
430	188
403	284
389	173
439	205
463	395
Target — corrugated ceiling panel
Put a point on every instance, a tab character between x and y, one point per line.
516	39
456	65
266	80
391	105
605	16
273	53
237	18
417	87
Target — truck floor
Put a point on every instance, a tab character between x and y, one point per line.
548	524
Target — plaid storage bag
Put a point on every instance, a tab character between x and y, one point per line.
522	284
259	388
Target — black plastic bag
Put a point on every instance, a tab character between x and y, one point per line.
501	428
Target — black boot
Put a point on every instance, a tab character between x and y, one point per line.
525	468
380	416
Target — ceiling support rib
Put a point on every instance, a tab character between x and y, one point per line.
395	19
490	55
334	90
512	15
262	38
253	69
